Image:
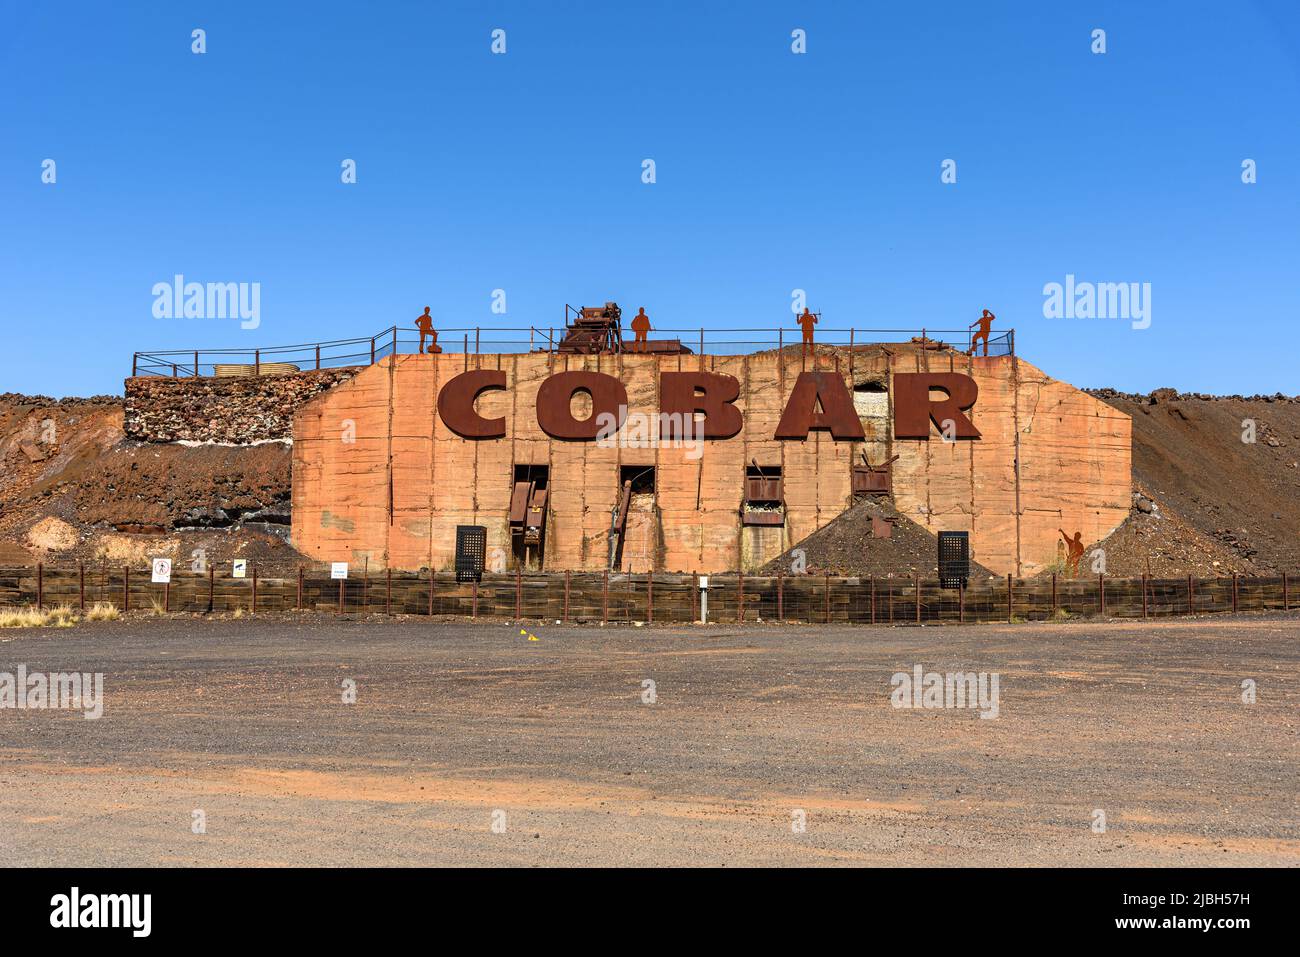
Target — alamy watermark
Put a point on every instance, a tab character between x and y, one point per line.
208	300
933	689
639	430
39	691
1098	300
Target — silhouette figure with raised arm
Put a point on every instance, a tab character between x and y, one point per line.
1075	545
985	322
806	322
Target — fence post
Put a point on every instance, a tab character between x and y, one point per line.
196	363
297	601
212	573
257	362
650	596
341	596
780	596
1285	602
740	595
566	596
253	609
372	350
604	598
1053	594
474	607
388	590
519	588
135	360
873	599
1101	592
961	600
394	340
81	583
431	574
167	598
318	358
40	586
126	588
1234	591
1009	598
917	577
476	340
1144	595
1191	598
828	599
694	590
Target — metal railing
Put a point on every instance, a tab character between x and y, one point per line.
189	363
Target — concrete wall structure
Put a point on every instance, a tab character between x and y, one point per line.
377	474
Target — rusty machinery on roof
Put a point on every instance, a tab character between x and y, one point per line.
592	330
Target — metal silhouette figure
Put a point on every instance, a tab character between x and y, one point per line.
806	322
425	324
985	322
1075	545
641	326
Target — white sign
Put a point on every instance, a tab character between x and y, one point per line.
338	569
162	570
239	568
704	582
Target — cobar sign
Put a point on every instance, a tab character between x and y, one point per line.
818	400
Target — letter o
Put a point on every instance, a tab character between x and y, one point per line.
554	415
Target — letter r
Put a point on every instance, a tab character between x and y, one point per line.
914	410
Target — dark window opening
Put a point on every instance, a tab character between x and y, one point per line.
877	387
762	483
642	478
538	474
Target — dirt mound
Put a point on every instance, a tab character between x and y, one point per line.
847	546
1220	477
73	488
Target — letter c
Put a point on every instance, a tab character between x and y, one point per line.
456	404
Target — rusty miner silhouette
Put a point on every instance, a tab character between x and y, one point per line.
425	324
806	322
641	326
985	322
1075	545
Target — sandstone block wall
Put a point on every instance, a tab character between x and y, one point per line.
376	474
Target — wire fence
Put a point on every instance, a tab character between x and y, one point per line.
277	360
658	597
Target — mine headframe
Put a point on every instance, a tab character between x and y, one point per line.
592	329
871	479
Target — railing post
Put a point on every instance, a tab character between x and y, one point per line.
135	362
212	574
850	356
297	601
317	358
126	588
828	599
388	590
167	598
1234	592
196	363
780	596
1053	594
1145	610
650	596
341	581
740	595
394	340
701	343
474	607
917	585
566	596
476	340
1191	598
1009	598
253	607
174	376
372	350
40	586
604	599
961	599
519	589
873	599
257	362
81	583
1285	602
431	574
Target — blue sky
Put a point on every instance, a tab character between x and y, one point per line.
775	171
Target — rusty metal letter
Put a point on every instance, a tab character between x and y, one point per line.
837	414
555	397
456	404
914	410
678	401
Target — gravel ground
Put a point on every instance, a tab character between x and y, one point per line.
752	729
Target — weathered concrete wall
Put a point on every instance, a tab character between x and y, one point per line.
238	410
1050	456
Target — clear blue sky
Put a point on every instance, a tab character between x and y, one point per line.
775	171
